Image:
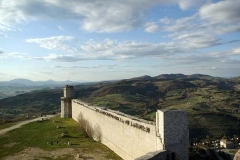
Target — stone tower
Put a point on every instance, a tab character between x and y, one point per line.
172	129
66	102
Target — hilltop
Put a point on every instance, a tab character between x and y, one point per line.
209	100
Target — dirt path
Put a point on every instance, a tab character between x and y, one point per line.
18	125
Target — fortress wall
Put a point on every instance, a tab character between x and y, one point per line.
129	138
174	130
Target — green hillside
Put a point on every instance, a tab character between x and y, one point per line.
47	141
212	103
30	104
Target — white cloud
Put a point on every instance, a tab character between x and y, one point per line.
175	54
198	40
114	50
128	49
236	51
165	20
54	43
212	21
218	61
106	50
14	55
4	35
60	28
222	17
115	16
151	27
183	24
4	28
186	4
131	49
94	16
74	57
222	11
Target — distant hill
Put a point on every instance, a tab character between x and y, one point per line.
26	82
170	76
145	77
174	76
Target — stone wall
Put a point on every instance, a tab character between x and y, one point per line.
66	107
134	138
173	130
130	137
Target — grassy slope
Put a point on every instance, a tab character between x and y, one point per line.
38	134
7	125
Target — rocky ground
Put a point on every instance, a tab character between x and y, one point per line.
65	153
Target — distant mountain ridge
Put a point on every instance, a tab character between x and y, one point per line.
174	76
27	82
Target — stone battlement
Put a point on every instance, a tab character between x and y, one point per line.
132	137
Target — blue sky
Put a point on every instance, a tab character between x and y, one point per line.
93	40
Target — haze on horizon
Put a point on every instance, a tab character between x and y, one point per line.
107	40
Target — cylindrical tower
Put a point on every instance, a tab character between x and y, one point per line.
66	102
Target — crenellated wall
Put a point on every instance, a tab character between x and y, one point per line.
129	137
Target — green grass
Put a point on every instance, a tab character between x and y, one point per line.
110	99
41	134
120	102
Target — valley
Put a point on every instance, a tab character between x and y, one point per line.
212	103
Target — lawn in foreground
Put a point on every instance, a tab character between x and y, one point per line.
51	135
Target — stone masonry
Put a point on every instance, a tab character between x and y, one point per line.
66	102
130	137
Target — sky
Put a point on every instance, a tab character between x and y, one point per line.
95	40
